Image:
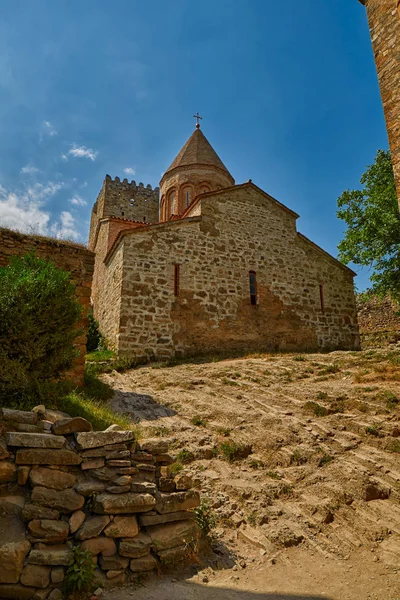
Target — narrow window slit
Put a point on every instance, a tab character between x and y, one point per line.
253	288
176	279
321	298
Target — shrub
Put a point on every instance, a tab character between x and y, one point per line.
80	573
204	517
374	430
94	338
317	409
234	451
198	421
38	325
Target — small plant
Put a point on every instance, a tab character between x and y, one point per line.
204	517
225	431
80	573
161	431
198	421
298	358
298	457
175	468
273	475
374	430
392	401
256	464
333	368
322	395
325	460
394	446
94	338
185	457
252	518
317	409
234	451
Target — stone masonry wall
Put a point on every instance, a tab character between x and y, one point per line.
239	230
76	259
379	321
384	23
63	485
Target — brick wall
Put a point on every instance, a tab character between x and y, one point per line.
239	230
384	23
76	259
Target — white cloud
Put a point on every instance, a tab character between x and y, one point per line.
80	152
49	129
29	170
40	191
130	171
77	201
66	227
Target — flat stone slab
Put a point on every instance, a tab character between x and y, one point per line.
178	501
34	440
7	472
135	547
153	446
12	556
16	591
38	456
51	478
51	555
92	527
35	511
144	564
71	425
182	515
122	526
170	535
102	438
20	416
114	504
66	500
48	531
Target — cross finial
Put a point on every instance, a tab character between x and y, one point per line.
198	119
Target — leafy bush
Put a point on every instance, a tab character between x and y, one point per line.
317	409
94	337
38	325
204	517
234	451
198	421
80	573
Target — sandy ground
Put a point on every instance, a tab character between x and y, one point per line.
311	505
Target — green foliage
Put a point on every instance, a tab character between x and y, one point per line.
317	409
325	460
198	421
175	468
392	401
372	237
80	573
38	325
204	517
298	457
299	358
94	337
234	451
185	457
322	395
100	356
273	475
374	430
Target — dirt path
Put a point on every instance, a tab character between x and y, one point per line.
319	493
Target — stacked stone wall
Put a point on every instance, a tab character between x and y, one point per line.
76	259
63	485
379	321
384	23
239	230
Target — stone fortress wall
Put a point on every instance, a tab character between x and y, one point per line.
75	258
63	485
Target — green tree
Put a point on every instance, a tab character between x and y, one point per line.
372	237
38	325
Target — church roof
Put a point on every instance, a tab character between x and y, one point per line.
197	150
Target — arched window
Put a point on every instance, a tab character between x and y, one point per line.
170	204
162	209
186	197
253	288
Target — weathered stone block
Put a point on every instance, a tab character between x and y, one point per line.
143	487
38	456
35	511
20	416
124	503
91	486
65	500
113	562
135	547
22	475
171	556
92	527
34	440
72	425
16	592
7	472
52	478
51	532
154	446
143	565
4	453
122	527
12	556
102	438
36	576
118	489
154	519
93	463
100	545
165	484
51	555
174	534
169	503
57	575
183	482
76	520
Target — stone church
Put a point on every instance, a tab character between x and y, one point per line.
202	265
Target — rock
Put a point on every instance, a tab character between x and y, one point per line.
123	480
51	532
115	562
51	555
183	482
20	416
16	592
34	440
40	410
112	574
89	487
71	425
146	520
66	501
174	534
104	474
36	576
93	463
8	472
171	556
165	484
22	475
102	438
76	520
4	453
118	455
34	511
118	463
154	446
122	526
55	415
145	487
12	504
125	503
144	564
57	575
12	556
92	527
41	594
26	428
113	427
139	457
52	478
55	595
178	501
135	547
97	545
164	459
118	489
38	456
95	453
374	491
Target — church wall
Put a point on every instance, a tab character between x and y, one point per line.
238	231
384	24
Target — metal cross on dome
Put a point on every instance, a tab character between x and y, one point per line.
198	119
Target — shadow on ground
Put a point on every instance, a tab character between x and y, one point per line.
139	407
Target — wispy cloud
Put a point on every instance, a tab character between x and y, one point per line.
29	170
66	227
78	201
130	171
80	152
49	129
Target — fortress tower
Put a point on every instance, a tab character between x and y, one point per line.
384	24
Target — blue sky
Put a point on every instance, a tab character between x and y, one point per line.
288	92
